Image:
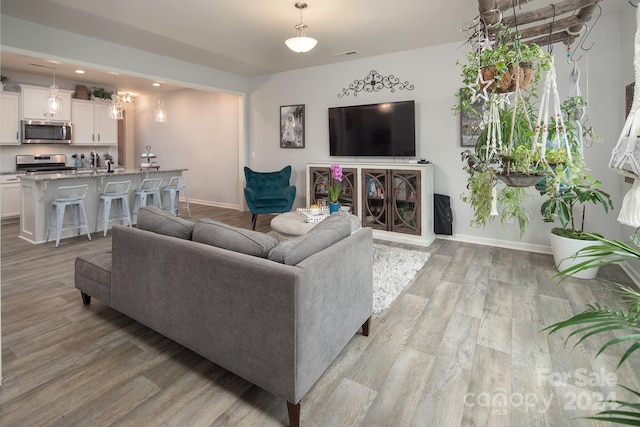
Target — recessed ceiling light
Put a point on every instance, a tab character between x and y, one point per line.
156	84
79	71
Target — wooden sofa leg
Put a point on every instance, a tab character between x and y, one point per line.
86	298
254	219
365	327
294	414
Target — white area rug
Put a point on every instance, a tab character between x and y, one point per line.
393	270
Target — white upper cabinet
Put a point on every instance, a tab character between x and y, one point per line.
92	124
10	118
33	104
106	127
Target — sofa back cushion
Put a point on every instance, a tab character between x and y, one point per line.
334	228
236	239
152	218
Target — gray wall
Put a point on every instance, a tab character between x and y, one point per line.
201	134
436	79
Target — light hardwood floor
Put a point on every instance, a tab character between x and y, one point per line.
461	346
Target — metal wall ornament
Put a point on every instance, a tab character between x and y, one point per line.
375	82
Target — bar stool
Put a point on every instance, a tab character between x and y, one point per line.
148	188
176	185
72	196
118	192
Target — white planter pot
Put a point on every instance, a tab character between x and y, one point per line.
563	249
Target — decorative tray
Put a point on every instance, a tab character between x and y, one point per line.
305	213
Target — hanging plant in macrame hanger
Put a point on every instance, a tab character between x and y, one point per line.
521	159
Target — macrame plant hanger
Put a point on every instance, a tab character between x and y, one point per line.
574	91
625	157
550	94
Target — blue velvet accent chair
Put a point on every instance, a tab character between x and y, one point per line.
268	192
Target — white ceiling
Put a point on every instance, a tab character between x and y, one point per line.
246	37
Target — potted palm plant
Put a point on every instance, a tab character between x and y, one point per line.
623	321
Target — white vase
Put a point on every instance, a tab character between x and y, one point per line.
563	249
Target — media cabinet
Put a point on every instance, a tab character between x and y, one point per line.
395	199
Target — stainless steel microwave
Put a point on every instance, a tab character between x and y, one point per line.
41	132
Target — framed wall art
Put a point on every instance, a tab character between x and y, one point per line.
292	126
470	121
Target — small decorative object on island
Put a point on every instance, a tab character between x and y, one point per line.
109	161
336	188
149	159
77	160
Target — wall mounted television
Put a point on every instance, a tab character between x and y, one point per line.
385	129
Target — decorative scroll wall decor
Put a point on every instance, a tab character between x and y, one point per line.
374	82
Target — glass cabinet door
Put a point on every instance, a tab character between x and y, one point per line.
373	196
319	186
348	194
406	201
320	181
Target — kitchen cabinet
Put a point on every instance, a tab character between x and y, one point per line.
10	118
33	104
395	199
10	196
92	124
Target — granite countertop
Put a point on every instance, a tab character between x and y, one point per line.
88	173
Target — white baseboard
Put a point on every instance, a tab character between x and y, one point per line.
214	204
543	249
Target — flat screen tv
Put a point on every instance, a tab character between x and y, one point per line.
386	129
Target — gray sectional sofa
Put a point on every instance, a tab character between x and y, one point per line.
275	313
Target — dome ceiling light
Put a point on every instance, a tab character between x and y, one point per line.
301	43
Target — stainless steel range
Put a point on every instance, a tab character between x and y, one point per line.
42	163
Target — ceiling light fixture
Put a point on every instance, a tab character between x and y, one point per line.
301	43
127	98
115	109
53	103
78	71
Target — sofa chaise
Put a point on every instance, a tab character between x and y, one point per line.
275	313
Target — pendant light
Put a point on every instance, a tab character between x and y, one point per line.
301	43
160	113
115	109
53	103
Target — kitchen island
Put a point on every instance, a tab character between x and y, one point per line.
39	190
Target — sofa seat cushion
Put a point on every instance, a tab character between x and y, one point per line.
152	218
235	239
327	232
93	274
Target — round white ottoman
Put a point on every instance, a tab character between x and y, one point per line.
292	224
